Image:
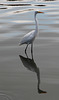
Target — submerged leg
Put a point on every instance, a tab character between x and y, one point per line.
26	48
32	50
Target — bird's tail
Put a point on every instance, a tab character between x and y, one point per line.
20	44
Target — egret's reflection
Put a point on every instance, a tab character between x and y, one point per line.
31	65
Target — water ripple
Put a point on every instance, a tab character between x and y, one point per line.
4	96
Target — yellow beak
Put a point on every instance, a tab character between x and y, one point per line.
40	12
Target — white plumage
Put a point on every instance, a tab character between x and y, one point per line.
29	37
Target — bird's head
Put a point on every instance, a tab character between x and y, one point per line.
36	12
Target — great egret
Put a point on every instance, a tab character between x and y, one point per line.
29	38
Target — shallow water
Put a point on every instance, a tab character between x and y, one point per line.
19	75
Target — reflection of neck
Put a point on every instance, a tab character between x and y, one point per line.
38	77
36	22
31	65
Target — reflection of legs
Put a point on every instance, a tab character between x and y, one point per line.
26	48
32	50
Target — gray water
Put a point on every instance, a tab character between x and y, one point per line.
20	77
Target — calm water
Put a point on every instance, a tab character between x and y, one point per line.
21	78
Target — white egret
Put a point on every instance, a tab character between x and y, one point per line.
29	38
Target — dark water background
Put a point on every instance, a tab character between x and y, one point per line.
19	76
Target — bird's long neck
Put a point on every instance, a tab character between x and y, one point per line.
36	22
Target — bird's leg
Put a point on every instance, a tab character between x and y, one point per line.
26	49
32	50
26	55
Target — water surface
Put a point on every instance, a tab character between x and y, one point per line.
19	82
